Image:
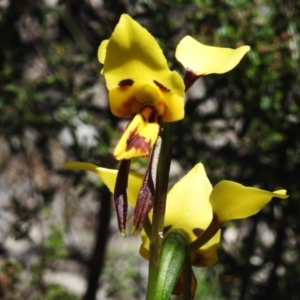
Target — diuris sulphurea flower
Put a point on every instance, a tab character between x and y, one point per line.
138	77
195	209
142	88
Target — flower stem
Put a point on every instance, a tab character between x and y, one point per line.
159	208
188	275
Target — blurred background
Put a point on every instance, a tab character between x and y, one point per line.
58	232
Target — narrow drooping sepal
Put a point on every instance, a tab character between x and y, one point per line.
172	259
120	195
144	202
146	195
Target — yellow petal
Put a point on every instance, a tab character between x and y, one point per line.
144	248
109	176
204	60
207	255
231	200
133	54
127	101
188	207
174	111
139	137
102	51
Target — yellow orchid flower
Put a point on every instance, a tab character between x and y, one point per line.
143	88
189	211
137	76
192	206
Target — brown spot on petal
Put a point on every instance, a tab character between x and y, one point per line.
197	231
126	82
150	114
162	87
152	117
138	142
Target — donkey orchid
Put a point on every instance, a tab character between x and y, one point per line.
194	209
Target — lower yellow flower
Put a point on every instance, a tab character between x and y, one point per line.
194	208
190	212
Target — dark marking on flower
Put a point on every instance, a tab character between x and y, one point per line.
162	87
189	78
126	82
160	122
138	142
180	286
167	228
197	231
120	195
152	116
198	260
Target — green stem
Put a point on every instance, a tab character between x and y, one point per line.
159	208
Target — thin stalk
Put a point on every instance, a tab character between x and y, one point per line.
210	231
159	208
187	278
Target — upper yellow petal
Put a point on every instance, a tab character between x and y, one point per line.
204	60
133	54
231	200
109	176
